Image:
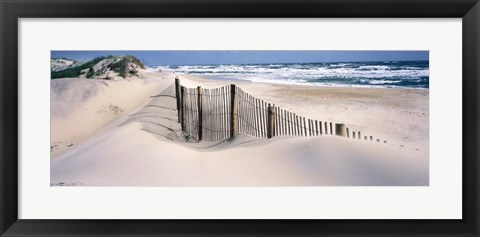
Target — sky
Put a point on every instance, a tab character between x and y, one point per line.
200	57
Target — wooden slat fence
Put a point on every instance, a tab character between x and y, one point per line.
221	113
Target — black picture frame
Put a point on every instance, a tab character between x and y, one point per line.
12	10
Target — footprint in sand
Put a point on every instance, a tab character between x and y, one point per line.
114	109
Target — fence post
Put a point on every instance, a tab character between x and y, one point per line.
182	109
270	121
177	96
233	110
199	102
340	130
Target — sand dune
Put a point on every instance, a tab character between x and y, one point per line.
82	107
141	145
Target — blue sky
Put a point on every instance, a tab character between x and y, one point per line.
193	57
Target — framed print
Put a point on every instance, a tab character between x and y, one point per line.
239	118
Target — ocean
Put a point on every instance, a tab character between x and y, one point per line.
386	74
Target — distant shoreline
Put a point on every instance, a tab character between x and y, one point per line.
209	78
405	74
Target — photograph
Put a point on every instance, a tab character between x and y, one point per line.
227	118
239	118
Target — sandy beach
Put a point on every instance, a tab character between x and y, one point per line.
97	139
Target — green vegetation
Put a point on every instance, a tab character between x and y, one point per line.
121	66
77	71
90	73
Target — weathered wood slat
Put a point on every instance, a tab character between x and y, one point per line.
320	127
254	118
331	129
190	113
244	117
212	116
288	124
264	131
295	119
206	115
277	131
227	111
241	114
304	126
199	108
219	115
233	111
222	104
251	109
220	111
310	127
